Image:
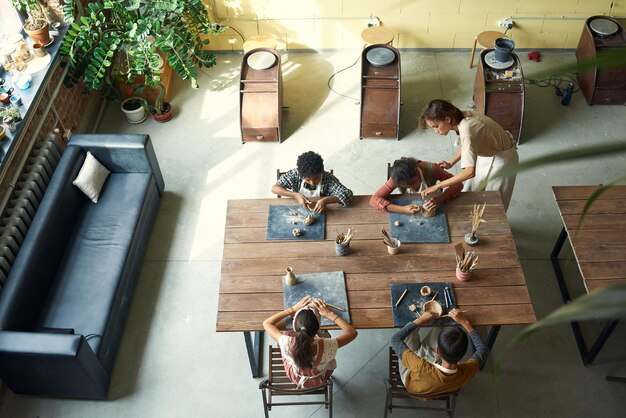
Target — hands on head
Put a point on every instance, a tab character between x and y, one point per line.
314	303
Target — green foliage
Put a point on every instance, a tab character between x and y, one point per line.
120	40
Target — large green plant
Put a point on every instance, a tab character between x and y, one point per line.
120	40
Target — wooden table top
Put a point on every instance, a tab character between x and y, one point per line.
252	268
600	243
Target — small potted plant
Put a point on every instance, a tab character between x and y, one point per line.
161	111
476	216
134	108
36	23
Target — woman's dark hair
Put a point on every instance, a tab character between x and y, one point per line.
310	164
452	344
403	171
305	327
439	109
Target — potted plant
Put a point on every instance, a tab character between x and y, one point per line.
36	23
134	109
117	41
161	111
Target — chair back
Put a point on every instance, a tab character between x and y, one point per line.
278	384
396	390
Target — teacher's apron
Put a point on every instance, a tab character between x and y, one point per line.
486	167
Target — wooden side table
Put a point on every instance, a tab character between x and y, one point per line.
601	86
380	95
261	99
501	97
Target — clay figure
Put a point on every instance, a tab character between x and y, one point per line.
290	278
397	223
309	220
425	291
412	307
296	232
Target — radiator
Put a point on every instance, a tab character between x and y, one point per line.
24	200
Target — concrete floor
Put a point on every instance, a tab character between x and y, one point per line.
172	363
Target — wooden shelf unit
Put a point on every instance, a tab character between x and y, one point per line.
261	100
380	97
601	86
499	97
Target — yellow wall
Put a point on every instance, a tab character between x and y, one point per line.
337	24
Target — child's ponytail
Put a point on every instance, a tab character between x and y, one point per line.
305	327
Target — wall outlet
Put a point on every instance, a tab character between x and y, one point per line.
373	21
506	23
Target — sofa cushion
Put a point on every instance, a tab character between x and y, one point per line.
84	293
91	177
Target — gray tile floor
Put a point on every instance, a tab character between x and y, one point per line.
172	363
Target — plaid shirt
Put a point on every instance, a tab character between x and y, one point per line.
330	185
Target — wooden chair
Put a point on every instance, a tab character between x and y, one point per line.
396	390
279	384
485	39
280	173
402	189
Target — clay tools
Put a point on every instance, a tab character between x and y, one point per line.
334	306
401	297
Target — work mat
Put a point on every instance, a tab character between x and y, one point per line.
328	286
402	314
282	220
417	227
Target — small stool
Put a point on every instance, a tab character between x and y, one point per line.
259	41
486	40
377	35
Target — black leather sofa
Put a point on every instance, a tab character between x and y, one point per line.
66	299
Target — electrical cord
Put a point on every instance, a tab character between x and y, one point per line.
342	70
555	81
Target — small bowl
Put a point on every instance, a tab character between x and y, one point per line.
425	291
433	306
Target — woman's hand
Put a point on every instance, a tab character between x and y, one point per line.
444	164
305	301
433	204
322	308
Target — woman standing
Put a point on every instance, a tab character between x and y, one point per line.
309	359
485	148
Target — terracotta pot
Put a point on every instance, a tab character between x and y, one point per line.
41	35
463	276
167	113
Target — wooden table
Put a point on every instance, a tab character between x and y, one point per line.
252	268
599	245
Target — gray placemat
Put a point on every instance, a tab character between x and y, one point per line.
402	314
328	286
281	220
418	228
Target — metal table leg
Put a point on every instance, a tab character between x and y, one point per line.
587	356
254	350
493	334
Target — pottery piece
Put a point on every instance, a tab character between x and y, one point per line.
428	212
425	291
396	248
290	278
296	232
397	223
293	212
471	240
342	249
433	306
309	220
463	276
413	307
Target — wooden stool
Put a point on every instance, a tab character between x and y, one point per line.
377	35
486	40
259	41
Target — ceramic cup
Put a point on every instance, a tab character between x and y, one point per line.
471	240
394	250
342	249
8	91
16	100
5	98
23	81
463	276
39	50
3	131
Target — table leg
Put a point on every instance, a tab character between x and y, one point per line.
254	350
587	356
493	334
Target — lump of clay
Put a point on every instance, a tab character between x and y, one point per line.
412	308
296	232
428	213
397	223
309	220
293	212
425	291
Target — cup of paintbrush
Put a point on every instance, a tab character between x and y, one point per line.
342	242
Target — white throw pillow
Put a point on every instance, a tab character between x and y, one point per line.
91	177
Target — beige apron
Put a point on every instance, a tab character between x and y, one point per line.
486	167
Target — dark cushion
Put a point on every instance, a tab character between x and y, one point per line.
90	276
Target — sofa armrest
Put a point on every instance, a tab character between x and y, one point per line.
56	365
122	153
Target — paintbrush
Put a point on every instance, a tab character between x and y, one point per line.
401	297
387	239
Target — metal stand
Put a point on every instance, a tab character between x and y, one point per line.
493	334
254	350
586	355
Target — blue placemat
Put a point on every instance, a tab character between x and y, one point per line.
402	314
418	228
282	219
328	286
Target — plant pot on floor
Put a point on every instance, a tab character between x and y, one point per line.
134	110
166	113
